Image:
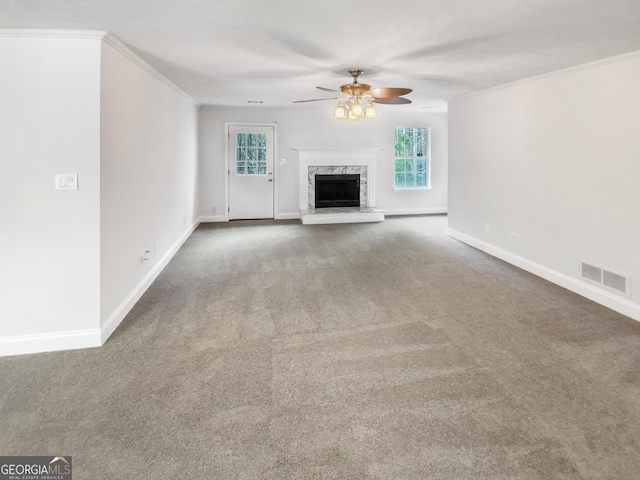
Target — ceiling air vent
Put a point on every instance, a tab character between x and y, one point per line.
606	278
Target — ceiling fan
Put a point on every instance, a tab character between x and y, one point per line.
352	94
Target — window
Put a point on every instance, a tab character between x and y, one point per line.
251	154
413	158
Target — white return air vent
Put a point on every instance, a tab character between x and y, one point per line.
605	278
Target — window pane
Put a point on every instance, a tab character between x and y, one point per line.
262	140
262	154
409	165
262	169
241	139
251	154
252	139
241	168
412	153
241	154
403	140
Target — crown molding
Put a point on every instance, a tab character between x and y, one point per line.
48	33
105	37
556	73
114	42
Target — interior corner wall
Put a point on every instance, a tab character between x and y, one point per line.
554	160
315	127
148	175
49	240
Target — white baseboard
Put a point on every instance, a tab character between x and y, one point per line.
49	342
211	218
415	211
220	218
609	300
73	340
287	216
125	307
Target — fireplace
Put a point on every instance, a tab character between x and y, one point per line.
337	190
336	161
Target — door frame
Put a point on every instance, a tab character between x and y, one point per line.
227	139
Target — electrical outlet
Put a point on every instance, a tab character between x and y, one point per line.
67	181
515	237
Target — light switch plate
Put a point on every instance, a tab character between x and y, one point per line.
67	181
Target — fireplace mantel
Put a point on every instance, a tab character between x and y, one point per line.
312	156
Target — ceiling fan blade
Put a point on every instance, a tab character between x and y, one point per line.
317	100
329	90
392	100
388	92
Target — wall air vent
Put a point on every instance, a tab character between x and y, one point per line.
615	281
591	273
607	279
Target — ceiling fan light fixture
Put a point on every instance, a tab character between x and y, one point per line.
352	94
340	112
357	108
370	111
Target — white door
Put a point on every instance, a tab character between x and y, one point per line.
250	172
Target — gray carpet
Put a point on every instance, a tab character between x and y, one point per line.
273	350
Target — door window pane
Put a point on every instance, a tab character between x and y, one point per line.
251	154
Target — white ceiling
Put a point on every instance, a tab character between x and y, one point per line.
229	52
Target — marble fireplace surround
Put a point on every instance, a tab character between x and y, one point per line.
336	170
336	160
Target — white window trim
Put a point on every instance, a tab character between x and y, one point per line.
428	158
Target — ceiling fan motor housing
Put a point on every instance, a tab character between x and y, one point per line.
355	88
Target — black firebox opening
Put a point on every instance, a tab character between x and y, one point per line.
337	190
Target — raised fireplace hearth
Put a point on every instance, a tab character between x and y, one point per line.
337	191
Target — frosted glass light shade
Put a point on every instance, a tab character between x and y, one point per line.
352	116
357	109
340	111
370	112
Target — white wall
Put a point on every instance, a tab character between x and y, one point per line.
49	240
81	102
304	127
148	176
555	159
